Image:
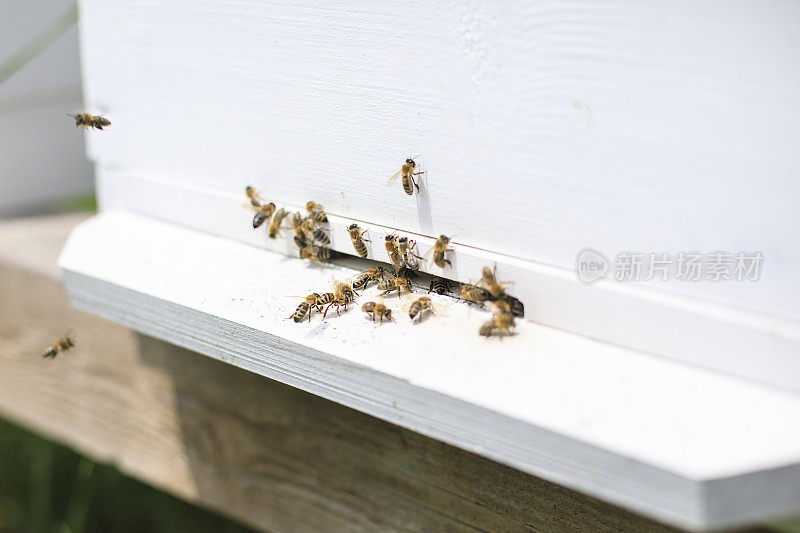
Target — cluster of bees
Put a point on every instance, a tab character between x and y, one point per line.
312	241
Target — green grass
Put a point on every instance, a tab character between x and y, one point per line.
45	487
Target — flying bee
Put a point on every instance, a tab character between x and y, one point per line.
314	233
377	309
61	345
253	196
406	248
263	214
395	284
357	236
85	120
372	274
439	286
305	307
419	306
393	250
492	285
277	220
439	250
499	325
474	294
317	212
407	172
318	254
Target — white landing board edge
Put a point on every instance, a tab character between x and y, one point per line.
674	442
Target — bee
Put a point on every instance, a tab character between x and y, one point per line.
61	345
407	172
500	324
318	254
491	284
252	195
406	249
299	237
326	298
372	274
377	309
317	212
357	236
419	306
474	294
85	120
440	249
313	233
263	214
516	307
395	284
305	307
392	249
277	220
439	286
342	299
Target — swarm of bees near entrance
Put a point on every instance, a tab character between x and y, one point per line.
312	237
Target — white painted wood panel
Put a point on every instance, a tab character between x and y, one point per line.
544	127
674	442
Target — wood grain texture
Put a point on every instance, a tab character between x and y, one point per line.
544	127
267	454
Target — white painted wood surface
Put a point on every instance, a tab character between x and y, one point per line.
42	158
677	443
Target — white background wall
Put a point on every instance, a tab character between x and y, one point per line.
42	156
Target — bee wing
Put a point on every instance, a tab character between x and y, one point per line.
394	178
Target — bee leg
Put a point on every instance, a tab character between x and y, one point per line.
414	181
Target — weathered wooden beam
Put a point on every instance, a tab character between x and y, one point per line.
259	451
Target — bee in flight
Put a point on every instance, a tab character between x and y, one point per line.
502	323
305	307
490	282
263	211
357	236
394	284
85	120
314	233
61	345
439	250
277	220
419	306
372	274
439	286
407	173
317	212
377	309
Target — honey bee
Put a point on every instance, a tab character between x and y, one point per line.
263	214
377	309
439	286
341	299
407	172
85	120
440	249
393	250
418	307
372	274
318	254
474	294
61	345
357	236
277	220
317	212
491	284
406	249
500	324
516	307
313	233
305	307
325	299
299	237
395	284
253	196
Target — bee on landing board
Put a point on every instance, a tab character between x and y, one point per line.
372	274
419	306
61	345
317	212
393	251
343	296
439	250
395	284
85	120
277	220
377	309
407	173
357	236
305	307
